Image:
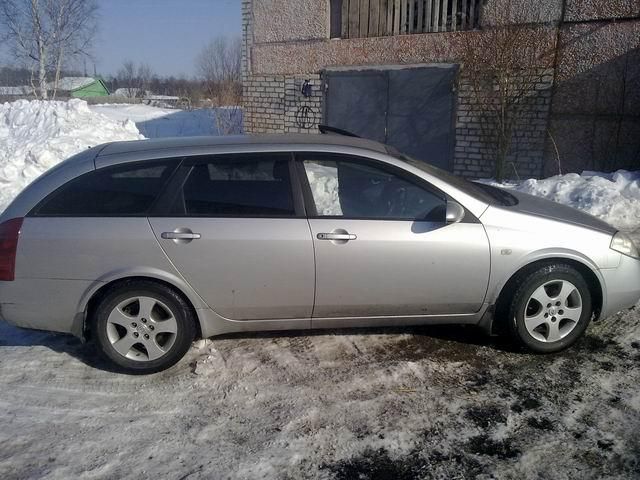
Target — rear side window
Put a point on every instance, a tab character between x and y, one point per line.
237	185
123	190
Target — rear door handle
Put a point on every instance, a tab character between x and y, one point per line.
336	236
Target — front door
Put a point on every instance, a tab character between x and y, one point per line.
233	232
383	247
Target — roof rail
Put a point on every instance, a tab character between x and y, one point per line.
325	129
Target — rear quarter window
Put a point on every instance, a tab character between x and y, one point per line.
123	190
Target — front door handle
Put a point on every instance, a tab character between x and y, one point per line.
337	236
180	235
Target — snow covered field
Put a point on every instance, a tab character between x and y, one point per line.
154	122
445	403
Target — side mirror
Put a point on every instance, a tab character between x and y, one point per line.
455	212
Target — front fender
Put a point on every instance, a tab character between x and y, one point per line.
498	281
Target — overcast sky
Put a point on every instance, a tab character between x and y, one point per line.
166	34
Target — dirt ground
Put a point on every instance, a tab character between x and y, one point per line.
416	403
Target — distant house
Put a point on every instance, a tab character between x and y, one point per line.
81	87
131	92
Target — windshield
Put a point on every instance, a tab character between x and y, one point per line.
483	192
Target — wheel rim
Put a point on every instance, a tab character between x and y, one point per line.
553	311
142	329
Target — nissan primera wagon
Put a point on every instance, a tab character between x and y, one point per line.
144	246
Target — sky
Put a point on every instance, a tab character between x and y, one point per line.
165	34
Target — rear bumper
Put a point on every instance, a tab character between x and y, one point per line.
621	286
43	304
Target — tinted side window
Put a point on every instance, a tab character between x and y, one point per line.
237	185
352	189
123	190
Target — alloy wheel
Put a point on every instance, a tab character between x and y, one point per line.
141	328
553	311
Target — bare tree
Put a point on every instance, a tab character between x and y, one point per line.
219	66
135	78
75	29
503	64
46	32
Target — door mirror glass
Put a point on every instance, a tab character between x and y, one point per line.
455	212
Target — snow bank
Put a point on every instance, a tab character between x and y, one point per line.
613	197
36	135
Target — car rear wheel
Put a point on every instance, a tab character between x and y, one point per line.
143	327
551	308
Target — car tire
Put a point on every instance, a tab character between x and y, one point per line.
551	308
143	327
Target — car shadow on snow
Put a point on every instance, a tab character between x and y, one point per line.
11	336
444	343
453	342
187	123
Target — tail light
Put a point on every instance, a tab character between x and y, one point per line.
9	232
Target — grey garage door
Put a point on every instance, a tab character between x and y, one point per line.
410	108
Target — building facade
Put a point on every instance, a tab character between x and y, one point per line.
394	71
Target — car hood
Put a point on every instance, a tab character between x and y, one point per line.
542	207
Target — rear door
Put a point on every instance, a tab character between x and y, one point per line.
233	228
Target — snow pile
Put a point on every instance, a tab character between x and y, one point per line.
36	135
612	197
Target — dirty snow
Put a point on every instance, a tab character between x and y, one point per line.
36	135
401	404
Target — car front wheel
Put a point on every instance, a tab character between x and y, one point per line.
551	308
143	327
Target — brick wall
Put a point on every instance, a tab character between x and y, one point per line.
276	104
475	148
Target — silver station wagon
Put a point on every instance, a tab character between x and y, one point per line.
144	246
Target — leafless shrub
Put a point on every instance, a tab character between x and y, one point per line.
135	79
503	63
218	65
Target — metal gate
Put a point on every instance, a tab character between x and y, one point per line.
410	108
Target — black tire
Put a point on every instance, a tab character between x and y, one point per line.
176	348
525	287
